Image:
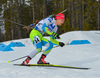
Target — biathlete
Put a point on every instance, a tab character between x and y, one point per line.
49	26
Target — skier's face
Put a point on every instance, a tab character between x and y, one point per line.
59	22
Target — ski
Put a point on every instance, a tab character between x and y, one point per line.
52	65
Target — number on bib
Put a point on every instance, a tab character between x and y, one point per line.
36	39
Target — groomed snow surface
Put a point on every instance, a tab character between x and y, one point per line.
86	55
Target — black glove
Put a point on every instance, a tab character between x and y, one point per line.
55	35
61	44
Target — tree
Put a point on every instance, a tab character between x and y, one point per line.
82	15
91	14
98	14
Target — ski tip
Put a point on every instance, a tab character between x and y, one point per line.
8	61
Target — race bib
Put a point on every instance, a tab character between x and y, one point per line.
36	39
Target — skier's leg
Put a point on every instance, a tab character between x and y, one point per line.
36	42
49	46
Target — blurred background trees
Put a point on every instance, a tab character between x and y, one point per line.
82	15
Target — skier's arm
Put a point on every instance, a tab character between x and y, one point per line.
53	40
46	30
52	36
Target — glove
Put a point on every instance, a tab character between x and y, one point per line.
61	44
55	35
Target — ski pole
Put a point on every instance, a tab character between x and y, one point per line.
64	10
53	47
60	12
25	25
26	56
15	22
17	59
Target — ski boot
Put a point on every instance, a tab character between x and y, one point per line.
26	61
41	60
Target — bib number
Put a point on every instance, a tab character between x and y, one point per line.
36	39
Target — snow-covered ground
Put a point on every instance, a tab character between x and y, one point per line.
87	55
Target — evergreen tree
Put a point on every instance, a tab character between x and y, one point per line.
91	15
82	15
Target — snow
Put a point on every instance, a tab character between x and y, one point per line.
86	55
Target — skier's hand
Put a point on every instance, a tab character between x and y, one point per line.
61	44
55	35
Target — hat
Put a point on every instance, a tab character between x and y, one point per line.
60	16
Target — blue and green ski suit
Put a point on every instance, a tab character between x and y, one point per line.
48	26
